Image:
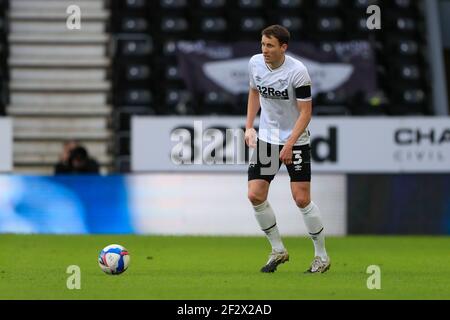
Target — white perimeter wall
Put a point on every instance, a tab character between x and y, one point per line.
216	204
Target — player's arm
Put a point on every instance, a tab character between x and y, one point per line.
304	105
253	107
305	108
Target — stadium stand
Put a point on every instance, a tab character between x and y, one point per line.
4	72
60	82
147	78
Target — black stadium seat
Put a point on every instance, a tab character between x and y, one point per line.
147	77
136	97
132	5
134	25
211	5
173	5
290	4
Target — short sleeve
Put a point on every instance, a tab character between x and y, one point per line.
250	75
301	78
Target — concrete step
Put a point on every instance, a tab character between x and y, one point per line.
59	82
45	14
47	170
40	170
55	148
20	74
55	27
55	4
46	111
58	61
101	135
55	124
57	99
51	159
63	86
73	37
96	50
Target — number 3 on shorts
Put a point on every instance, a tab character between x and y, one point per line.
297	157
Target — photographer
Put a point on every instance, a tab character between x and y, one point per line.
79	162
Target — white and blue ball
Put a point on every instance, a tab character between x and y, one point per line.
114	259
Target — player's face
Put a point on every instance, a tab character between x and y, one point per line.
271	49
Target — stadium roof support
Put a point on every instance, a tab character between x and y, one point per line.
439	87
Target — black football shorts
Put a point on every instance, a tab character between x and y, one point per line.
265	162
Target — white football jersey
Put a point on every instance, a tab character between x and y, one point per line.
277	97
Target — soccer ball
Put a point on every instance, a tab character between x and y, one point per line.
114	259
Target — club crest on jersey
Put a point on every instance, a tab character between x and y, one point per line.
272	93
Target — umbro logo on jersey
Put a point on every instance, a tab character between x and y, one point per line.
258	78
271	93
283	82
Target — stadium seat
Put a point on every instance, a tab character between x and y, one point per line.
408	99
214	102
252	24
331	111
211	5
178	102
406	6
169	48
174	25
172	74
327	4
153	62
332	98
134	45
209	26
290	4
130	74
173	5
407	73
213	25
362	4
327	28
132	5
408	48
135	97
134	25
412	96
247	27
138	72
250	4
176	96
294	23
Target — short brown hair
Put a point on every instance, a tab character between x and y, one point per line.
279	32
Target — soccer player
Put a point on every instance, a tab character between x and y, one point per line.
280	85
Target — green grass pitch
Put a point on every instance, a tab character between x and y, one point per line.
197	268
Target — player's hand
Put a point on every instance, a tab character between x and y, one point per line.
286	154
250	137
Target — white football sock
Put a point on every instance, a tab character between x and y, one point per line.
313	222
266	219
